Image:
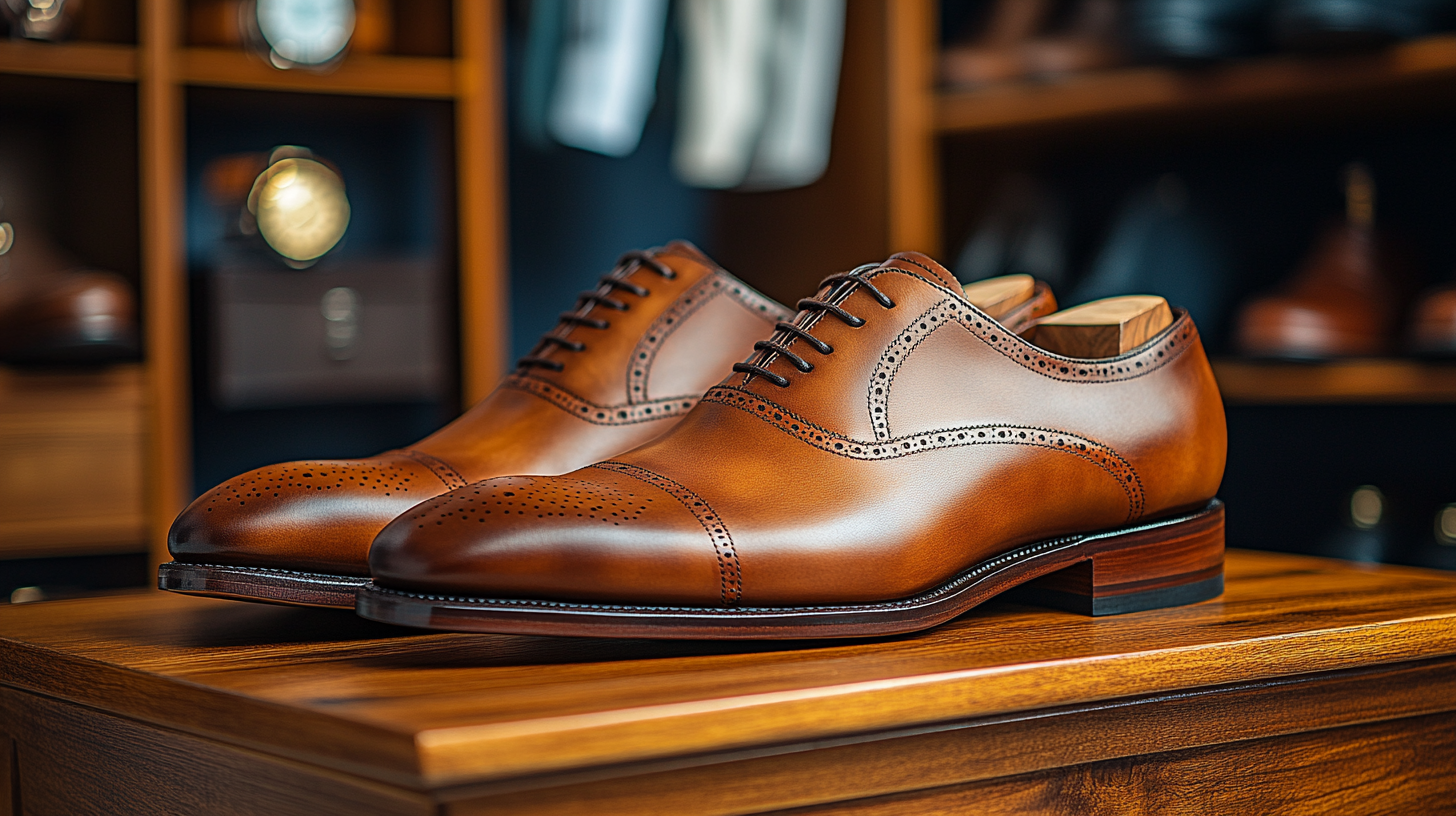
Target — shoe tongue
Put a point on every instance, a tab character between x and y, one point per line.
923	264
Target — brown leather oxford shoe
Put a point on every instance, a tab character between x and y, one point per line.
890	459
621	369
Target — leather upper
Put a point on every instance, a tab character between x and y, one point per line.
929	439
632	380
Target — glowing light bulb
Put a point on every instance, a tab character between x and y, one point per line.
300	209
305	32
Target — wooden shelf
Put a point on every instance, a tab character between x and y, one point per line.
1106	95
71	448
114	63
416	77
1349	381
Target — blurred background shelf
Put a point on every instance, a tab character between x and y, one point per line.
71	446
1153	92
366	75
103	61
1369	381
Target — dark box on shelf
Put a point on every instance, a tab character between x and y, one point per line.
355	331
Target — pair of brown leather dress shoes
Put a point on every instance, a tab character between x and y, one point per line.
887	458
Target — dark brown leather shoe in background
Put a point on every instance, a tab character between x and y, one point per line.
54	312
890	459
1432	330
621	369
1344	302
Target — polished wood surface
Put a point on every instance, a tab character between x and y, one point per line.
70	462
1339	381
1294	644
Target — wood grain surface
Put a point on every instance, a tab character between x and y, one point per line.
447	711
71	447
1382	768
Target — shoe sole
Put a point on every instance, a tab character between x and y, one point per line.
260	584
1169	562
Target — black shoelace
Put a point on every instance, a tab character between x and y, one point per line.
787	332
587	301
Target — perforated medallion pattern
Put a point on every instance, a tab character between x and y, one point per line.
626	414
730	573
1098	454
544	498
289	480
639	369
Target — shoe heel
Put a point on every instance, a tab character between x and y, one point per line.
1150	566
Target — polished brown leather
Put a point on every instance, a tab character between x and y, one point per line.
631	381
54	311
929	439
1344	301
1433	323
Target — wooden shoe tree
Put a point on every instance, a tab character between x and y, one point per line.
997	296
1102	328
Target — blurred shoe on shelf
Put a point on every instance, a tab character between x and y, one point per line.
1196	30
1086	40
1346	25
1036	38
994	54
1345	299
53	312
1023	232
1161	243
1433	323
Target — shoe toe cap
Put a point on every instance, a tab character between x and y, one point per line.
593	536
312	516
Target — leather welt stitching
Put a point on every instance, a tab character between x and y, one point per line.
1097	453
625	414
442	470
730	574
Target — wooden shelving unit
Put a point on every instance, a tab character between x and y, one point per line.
103	61
161	67
1348	381
1166	92
412	77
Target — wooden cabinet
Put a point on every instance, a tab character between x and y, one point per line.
71	450
1310	686
159	66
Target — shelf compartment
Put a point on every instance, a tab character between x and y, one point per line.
1106	95
1346	381
104	61
71	463
363	75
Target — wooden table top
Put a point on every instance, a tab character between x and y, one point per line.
435	709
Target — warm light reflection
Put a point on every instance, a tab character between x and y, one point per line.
300	209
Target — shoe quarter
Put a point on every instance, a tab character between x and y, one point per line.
691	344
